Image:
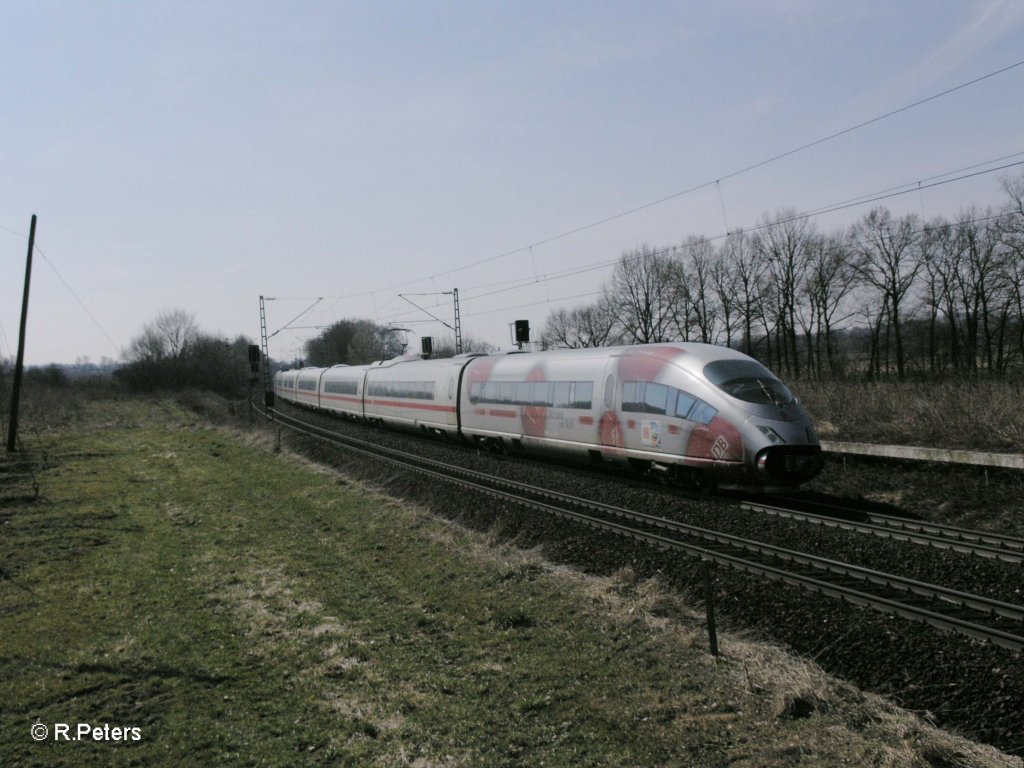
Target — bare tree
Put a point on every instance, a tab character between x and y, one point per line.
784	245
746	271
168	336
172	354
694	268
830	279
970	277
445	347
592	325
938	247
984	287
888	258
723	281
643	293
1011	228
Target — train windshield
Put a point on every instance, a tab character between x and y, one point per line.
748	380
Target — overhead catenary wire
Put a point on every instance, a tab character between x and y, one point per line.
78	299
862	200
903	189
719	179
68	287
695	188
288	324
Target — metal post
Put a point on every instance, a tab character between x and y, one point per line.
268	396
19	366
263	345
709	607
458	324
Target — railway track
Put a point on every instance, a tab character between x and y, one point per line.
974	616
966	541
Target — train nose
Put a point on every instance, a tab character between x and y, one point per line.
790	463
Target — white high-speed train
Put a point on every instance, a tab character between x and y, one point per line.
704	414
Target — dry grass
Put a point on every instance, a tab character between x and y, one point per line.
981	415
751	682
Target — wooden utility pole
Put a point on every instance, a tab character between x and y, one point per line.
19	365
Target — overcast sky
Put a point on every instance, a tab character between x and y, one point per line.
197	155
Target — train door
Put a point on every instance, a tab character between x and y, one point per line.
610	434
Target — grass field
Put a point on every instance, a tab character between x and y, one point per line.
237	606
983	415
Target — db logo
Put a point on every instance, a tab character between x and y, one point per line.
720	448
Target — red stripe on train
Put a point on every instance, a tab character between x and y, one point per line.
417	406
342	398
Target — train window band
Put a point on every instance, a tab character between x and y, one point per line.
577	395
749	381
662	400
309	385
411	390
341	387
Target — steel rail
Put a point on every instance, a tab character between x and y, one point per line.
950	531
513	491
993	546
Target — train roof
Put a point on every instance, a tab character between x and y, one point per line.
690	355
699	353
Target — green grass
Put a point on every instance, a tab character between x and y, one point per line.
241	607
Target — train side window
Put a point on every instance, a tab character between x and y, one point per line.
506	391
474	392
341	387
684	403
632	396
490	392
523	393
655	397
540	393
562	394
583	395
703	413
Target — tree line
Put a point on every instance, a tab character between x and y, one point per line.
172	353
358	342
889	296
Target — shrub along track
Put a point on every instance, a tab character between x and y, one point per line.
976	687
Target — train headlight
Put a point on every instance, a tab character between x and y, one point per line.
771	434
